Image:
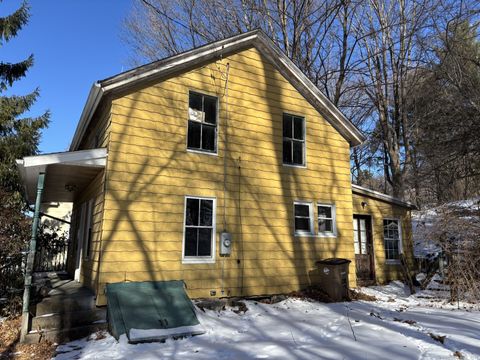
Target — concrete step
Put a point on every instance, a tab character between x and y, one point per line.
60	304
69	319
65	335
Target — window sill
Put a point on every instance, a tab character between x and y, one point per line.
327	235
392	262
202	152
295	166
304	235
198	261
315	235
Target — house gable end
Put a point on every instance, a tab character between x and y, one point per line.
181	63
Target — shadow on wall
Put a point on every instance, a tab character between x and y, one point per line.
148	169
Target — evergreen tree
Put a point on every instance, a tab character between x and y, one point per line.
447	113
19	136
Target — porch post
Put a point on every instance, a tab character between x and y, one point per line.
31	258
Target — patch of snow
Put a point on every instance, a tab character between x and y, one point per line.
137	335
396	326
473	204
47	315
424	220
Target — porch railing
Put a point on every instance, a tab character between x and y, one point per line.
51	257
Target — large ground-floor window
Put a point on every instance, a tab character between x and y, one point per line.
392	237
199	230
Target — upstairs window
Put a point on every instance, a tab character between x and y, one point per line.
392	239
326	220
202	123
293	140
303	218
199	229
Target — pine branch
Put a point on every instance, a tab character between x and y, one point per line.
9	73
12	24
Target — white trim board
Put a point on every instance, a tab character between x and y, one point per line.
360	190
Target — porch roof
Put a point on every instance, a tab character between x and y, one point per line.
66	173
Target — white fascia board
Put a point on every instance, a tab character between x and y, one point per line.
222	46
92	157
97	91
94	97
378	195
281	59
255	37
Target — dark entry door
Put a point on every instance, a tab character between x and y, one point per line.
362	239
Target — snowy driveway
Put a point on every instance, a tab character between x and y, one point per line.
395	327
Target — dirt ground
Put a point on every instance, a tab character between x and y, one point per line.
10	348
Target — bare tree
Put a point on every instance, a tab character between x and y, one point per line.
393	58
456	230
318	36
365	55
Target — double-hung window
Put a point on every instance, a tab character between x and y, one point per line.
202	123
199	241
326	220
293	140
303	218
392	237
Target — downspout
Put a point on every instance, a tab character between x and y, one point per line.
31	258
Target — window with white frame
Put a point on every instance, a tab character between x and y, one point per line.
199	229
392	237
326	220
303	218
202	123
293	140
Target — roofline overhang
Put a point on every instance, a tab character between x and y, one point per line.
31	166
186	60
360	190
91	157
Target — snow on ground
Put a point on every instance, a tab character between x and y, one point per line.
396	326
424	220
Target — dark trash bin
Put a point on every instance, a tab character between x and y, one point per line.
333	276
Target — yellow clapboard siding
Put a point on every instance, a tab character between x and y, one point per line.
241	107
271	149
380	210
139	219
189	161
161	121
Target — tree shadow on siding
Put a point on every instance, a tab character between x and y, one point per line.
300	252
251	271
124	192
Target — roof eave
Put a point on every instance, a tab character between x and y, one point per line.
383	197
256	38
318	100
93	100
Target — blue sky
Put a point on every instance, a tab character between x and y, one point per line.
75	43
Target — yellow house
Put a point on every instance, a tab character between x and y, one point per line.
224	167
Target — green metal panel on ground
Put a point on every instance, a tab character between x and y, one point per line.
151	310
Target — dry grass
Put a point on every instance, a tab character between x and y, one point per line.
312	293
358	295
10	348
